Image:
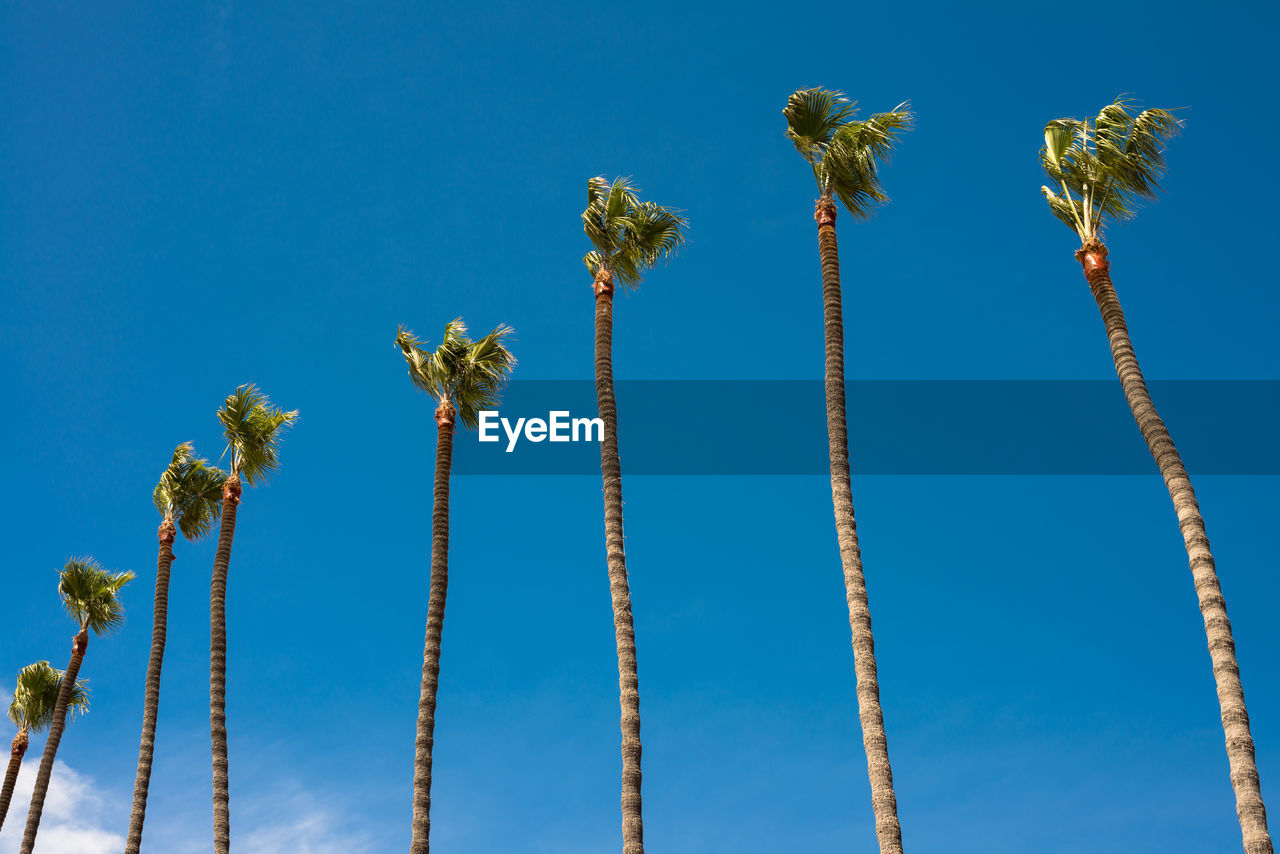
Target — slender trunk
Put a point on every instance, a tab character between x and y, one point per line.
78	647
218	666
616	560
151	703
16	751
420	842
883	801
1222	649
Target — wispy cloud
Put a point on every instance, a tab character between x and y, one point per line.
74	817
80	817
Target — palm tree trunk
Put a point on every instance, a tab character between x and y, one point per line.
78	646
420	841
218	666
1222	650
884	802
16	751
616	560
151	703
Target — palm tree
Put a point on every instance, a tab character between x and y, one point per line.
34	699
463	377
630	237
91	596
1105	167
188	497
844	155
253	428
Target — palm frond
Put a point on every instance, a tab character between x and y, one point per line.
469	374
201	505
253	429
165	495
1110	164
419	360
90	594
190	492
630	236
845	153
36	696
593	214
813	116
850	163
1069	211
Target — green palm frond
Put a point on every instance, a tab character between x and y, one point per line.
1070	211
1111	164
165	495
202	507
844	153
36	695
630	236
813	117
253	429
468	374
190	492
90	594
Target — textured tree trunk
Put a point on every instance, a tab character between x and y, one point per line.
883	801
420	841
16	751
151	703
616	560
218	666
41	790
1222	649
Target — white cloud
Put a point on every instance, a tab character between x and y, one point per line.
81	818
73	815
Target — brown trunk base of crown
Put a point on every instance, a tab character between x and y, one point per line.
231	491
824	213
166	532
80	643
19	746
444	417
603	283
1093	259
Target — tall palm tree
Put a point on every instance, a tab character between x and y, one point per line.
34	699
91	596
189	498
1104	168
844	155
463	377
630	237
253	429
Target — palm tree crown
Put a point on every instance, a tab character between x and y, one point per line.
190	492
844	153
1109	163
253	428
464	374
37	693
89	593
629	236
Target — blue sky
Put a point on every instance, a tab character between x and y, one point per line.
204	194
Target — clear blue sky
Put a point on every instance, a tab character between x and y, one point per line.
203	194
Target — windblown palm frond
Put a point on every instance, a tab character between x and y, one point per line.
813	117
467	374
1110	163
190	492
630	236
253	428
90	594
844	153
36	695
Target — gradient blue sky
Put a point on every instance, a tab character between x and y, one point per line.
203	194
